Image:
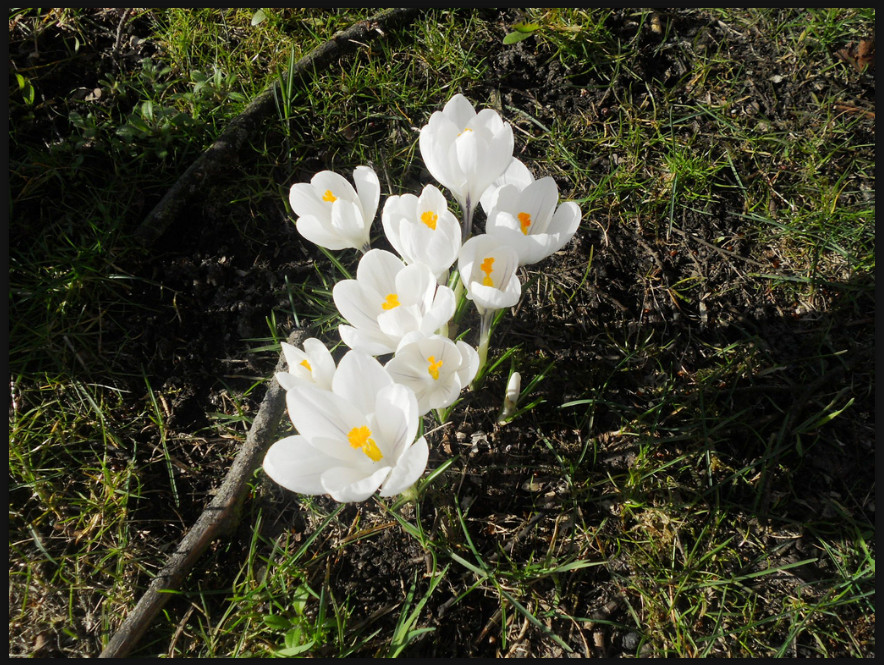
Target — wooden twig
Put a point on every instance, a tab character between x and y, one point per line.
220	517
227	146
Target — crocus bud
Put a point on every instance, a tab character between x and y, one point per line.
511	398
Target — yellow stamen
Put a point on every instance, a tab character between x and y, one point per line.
391	301
486	267
429	218
524	221
328	196
359	438
304	363
466	129
434	366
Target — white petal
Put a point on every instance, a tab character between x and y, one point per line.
529	248
489	120
492	160
347	484
306	202
416	285
566	220
503	225
348	222
372	342
535	249
441	252
353	304
408	469
392	221
293	355
319	413
395	419
296	465
440	394
408	368
358	380
368	187
539	199
467	151
441	348
442	309
432	199
459	110
516	174
321	362
399	321
321	233
343	452
335	183
469	363
489	297
287	381
377	269
435	140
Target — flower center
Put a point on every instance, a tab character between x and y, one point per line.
359	437
391	301
304	363
429	218
524	221
487	267
433	367
466	129
328	196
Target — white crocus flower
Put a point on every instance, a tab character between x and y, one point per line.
466	151
388	300
334	215
423	230
528	220
488	272
516	174
353	439
314	366
434	367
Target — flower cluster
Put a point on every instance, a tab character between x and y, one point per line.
358	422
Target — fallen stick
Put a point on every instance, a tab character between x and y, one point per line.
224	150
219	517
222	514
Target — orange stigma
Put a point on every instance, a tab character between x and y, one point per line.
487	267
524	221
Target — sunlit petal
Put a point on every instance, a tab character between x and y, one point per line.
368	188
296	465
408	469
345	484
358	380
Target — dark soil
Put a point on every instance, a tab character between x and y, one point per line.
210	282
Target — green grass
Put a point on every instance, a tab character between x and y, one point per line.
656	482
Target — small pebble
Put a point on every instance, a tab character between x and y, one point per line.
630	641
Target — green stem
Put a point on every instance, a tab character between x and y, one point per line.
467	220
460	297
484	337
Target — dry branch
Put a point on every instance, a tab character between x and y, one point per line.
220	516
227	146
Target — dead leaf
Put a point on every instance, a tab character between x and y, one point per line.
861	56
